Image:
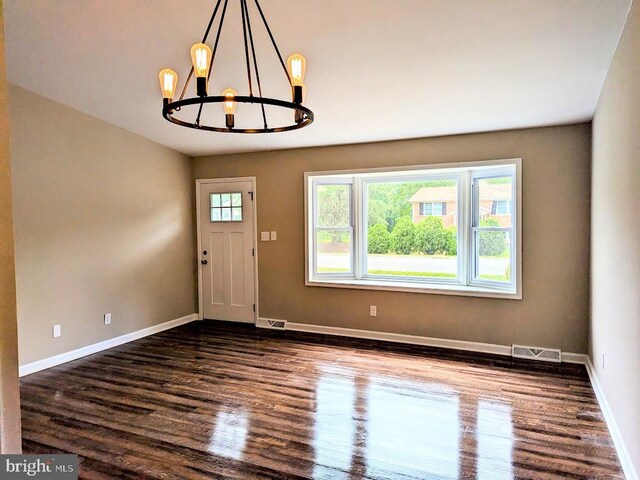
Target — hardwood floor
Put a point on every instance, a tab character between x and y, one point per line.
212	400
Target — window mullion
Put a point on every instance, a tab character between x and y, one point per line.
358	209
474	221
465	227
314	219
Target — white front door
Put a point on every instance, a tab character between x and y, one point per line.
227	273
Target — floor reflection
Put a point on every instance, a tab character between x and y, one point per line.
494	435
413	429
383	427
229	434
334	427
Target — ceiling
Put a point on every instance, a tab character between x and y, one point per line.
376	69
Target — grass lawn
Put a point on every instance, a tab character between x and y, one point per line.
392	272
496	278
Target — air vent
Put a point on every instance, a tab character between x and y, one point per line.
536	353
269	323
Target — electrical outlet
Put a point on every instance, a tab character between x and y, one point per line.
264	236
57	331
274	235
107	318
373	311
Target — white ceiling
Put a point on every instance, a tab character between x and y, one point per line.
377	69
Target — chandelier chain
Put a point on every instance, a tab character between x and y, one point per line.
273	41
215	46
255	61
246	48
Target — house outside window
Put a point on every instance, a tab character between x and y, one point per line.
452	229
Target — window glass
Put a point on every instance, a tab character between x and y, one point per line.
401	242
495	196
334	206
493	235
334	251
225	207
334	230
494	256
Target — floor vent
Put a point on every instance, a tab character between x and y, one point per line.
268	323
535	353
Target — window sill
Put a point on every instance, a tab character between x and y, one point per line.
438	289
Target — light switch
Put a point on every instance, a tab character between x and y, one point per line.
57	331
274	235
264	236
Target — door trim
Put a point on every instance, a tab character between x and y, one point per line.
206	181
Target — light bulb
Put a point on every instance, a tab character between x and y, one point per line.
296	65
229	103
168	82
200	57
229	106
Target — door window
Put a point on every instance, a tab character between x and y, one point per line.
226	207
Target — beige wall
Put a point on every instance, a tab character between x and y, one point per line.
9	395
615	237
554	311
103	223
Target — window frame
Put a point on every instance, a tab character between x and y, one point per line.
466	284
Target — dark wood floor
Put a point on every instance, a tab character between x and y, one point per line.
211	400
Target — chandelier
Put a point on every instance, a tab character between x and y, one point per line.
203	57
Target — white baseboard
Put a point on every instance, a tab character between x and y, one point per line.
580	358
416	340
223	320
623	454
401	338
45	363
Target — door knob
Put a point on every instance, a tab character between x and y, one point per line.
204	262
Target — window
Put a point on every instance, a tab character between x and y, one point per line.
438	229
503	207
226	207
433	208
